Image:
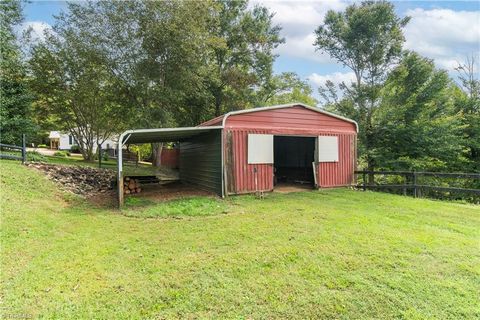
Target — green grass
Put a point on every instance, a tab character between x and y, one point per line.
129	168
191	206
321	254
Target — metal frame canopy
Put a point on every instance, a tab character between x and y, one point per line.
152	136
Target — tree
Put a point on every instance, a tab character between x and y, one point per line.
367	39
73	84
417	126
144	55
285	88
15	96
241	53
469	105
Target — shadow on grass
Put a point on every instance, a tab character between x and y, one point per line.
183	207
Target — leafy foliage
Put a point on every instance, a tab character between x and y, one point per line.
15	96
417	126
286	88
368	39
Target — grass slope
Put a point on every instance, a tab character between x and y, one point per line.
324	254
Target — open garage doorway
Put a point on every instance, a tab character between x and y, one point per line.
293	157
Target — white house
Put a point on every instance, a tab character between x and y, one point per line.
64	141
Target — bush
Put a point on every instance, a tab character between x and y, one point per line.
35	156
62	154
42	146
75	149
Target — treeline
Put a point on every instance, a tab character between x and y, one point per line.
110	65
412	116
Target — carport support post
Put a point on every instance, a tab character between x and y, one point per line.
120	173
24	150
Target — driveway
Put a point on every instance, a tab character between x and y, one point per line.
50	152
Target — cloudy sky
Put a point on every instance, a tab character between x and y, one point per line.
446	31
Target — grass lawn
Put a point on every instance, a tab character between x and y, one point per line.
129	168
321	254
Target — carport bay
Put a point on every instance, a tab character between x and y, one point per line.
200	154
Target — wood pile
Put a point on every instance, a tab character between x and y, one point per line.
131	186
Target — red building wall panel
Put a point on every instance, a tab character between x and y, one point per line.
341	173
170	158
244	175
329	174
297	121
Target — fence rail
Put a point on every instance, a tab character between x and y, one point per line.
411	181
22	148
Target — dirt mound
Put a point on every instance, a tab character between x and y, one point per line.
85	181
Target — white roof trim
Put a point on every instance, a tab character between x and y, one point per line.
316	109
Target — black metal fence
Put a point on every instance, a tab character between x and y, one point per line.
4	148
465	186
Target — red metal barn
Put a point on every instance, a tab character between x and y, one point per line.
265	148
259	149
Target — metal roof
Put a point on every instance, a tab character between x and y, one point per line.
288	105
223	118
163	134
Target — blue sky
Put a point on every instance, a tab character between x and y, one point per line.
445	31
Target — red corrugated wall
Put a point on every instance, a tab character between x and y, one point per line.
341	173
297	121
170	157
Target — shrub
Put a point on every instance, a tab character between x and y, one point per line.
35	156
75	149
62	154
42	146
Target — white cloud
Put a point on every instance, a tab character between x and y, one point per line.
37	29
302	47
337	77
298	20
444	35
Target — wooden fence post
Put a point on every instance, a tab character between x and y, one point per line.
24	150
414	184
364	176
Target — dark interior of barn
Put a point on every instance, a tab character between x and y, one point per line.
293	157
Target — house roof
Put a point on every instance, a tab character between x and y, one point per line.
222	119
54	135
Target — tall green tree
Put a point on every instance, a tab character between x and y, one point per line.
469	105
366	38
417	126
15	96
241	53
142	55
74	85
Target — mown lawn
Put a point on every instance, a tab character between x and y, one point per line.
321	254
129	168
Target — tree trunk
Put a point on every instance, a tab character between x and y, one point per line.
157	154
218	104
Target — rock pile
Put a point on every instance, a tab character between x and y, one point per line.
84	181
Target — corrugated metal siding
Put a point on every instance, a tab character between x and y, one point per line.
241	172
296	121
201	161
289	118
341	173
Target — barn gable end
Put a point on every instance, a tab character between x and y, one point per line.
294	117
